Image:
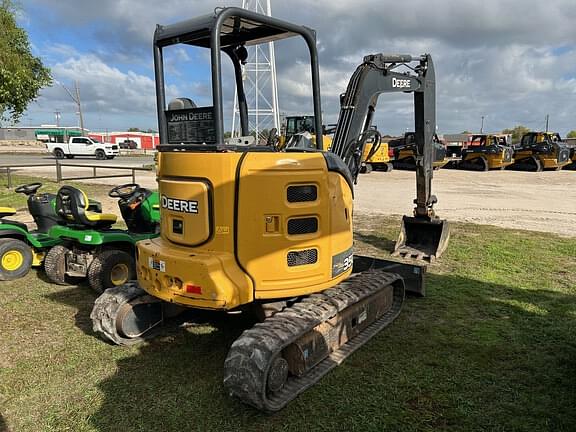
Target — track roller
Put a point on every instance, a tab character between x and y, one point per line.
531	164
476	164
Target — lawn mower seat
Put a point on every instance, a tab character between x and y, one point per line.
7	211
72	206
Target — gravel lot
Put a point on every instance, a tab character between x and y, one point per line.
543	201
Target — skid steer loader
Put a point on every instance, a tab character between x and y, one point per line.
486	152
250	227
404	154
540	151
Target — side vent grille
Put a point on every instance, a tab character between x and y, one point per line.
303	257
302	193
302	225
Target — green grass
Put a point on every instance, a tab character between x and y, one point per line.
491	348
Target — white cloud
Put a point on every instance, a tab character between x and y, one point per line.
510	61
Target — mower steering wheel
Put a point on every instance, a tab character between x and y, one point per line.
28	189
124	191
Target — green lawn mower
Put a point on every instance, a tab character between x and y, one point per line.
20	248
89	247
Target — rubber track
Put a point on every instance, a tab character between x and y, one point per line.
471	166
106	309
249	359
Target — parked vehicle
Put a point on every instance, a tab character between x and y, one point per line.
22	248
83	146
128	144
539	151
90	248
486	152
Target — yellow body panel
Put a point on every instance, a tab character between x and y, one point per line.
263	250
326	142
37	258
380	156
495	160
547	161
239	244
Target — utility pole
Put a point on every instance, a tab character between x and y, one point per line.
76	99
547	118
482	125
79	107
57	114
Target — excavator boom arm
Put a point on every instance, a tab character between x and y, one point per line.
374	76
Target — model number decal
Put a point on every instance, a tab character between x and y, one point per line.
158	265
342	262
400	83
179	205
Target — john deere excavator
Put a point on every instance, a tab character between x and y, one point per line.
251	227
299	132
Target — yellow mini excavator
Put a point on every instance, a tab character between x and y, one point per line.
376	155
247	226
299	133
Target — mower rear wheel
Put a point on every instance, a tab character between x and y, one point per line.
111	268
55	266
15	259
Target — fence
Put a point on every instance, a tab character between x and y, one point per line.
9	169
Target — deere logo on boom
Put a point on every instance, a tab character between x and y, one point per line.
179	205
400	83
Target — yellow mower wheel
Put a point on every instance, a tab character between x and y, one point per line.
110	268
15	259
119	274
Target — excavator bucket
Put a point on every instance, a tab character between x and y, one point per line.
422	238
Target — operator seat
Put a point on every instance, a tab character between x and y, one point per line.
7	211
72	206
181	103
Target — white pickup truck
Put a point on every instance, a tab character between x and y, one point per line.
83	146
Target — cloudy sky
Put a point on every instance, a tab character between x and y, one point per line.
511	61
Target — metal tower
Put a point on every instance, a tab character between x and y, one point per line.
260	86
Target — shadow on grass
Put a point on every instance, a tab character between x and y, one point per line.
3	425
80	297
380	242
471	356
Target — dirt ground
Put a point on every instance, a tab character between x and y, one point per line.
543	201
533	201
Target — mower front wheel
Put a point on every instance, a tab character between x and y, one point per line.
15	259
111	268
55	266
